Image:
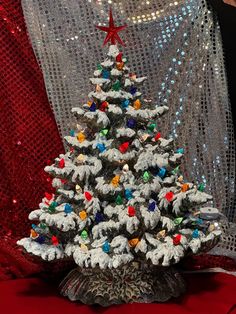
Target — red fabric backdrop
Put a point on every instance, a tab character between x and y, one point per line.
29	139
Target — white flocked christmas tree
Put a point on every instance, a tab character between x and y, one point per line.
119	193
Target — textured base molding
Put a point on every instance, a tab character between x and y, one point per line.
127	284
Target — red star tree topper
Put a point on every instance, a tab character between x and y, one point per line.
112	32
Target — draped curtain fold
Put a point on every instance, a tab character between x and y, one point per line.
177	44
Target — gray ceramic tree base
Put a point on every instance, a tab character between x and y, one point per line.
127	284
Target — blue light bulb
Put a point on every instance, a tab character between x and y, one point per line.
152	206
195	234
99	217
67	209
101	147
128	194
93	107
40	239
180	151
125	103
106	247
161	173
105	74
131	123
133	90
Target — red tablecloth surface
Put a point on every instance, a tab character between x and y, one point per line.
29	139
207	294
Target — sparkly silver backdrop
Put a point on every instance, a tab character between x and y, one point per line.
176	44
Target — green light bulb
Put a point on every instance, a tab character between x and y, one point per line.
119	200
152	126
116	86
104	132
201	187
99	67
178	220
146	176
84	234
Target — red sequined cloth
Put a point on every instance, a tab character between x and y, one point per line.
28	139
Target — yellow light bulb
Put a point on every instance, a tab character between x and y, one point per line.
133	242
161	234
137	104
84	247
33	234
115	181
120	65
80	158
78	188
185	187
83	215
98	88
80	137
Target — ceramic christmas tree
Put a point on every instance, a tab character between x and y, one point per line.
121	208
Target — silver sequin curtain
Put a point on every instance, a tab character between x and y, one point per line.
177	44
